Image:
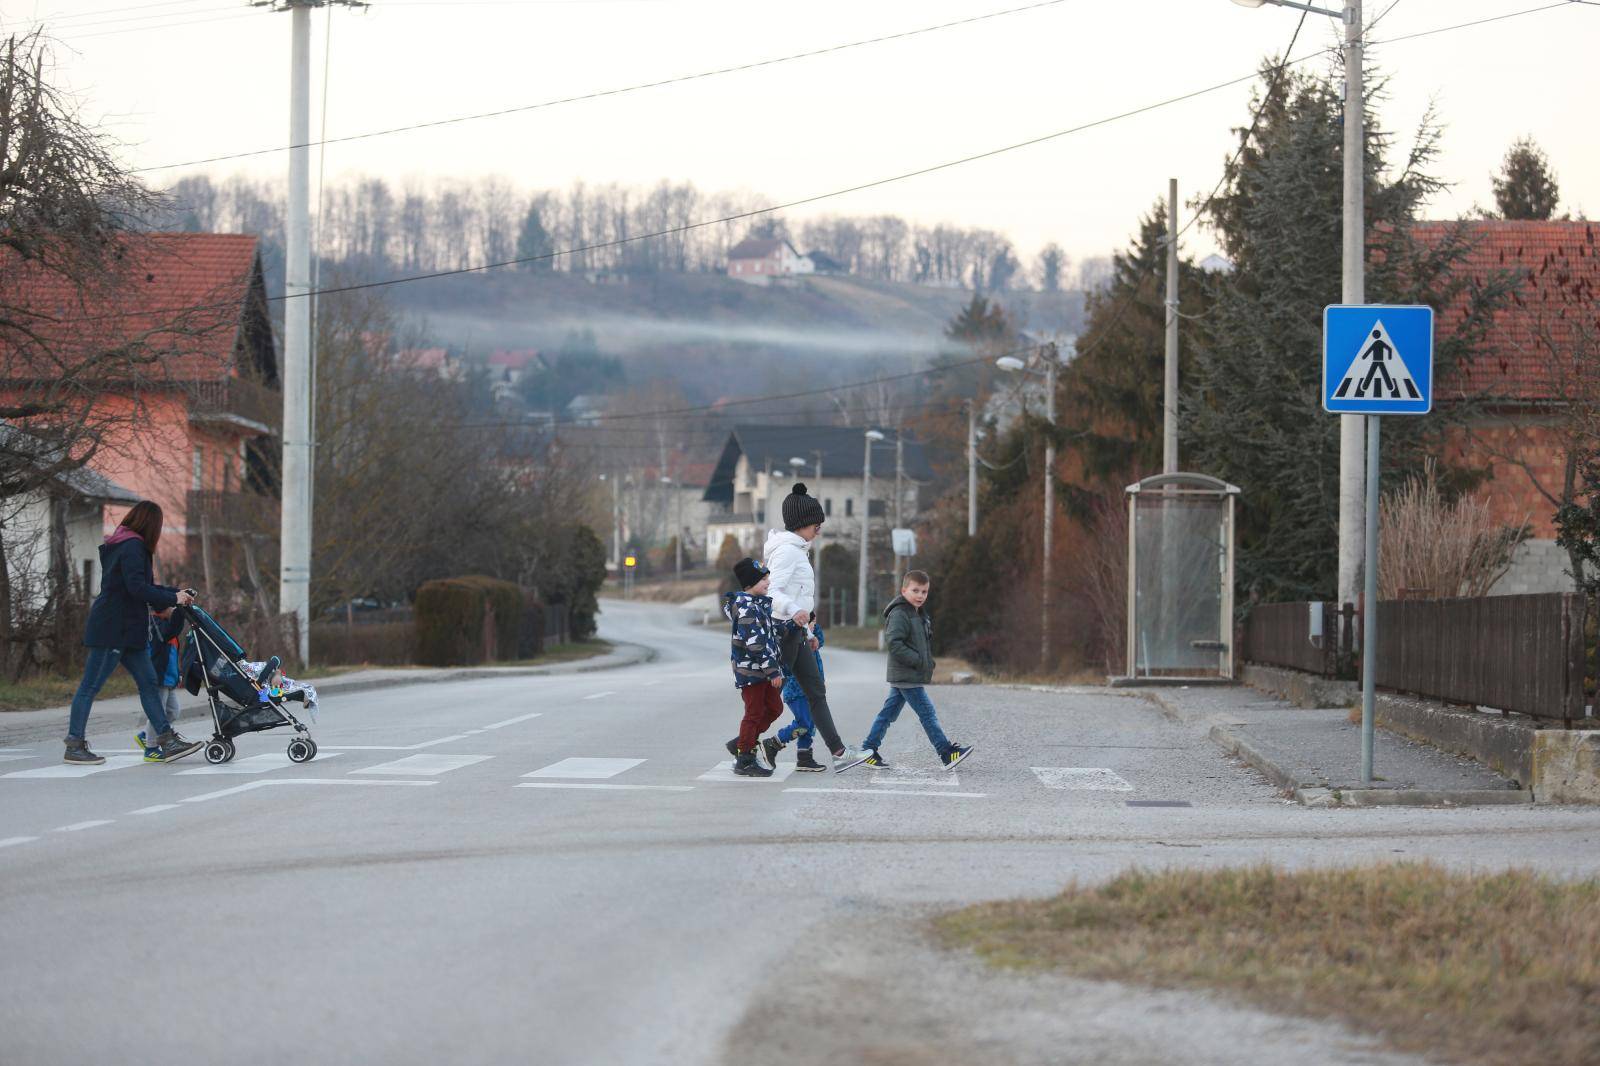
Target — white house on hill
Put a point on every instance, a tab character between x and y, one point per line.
758	260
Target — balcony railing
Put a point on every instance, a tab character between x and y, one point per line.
230	513
244	403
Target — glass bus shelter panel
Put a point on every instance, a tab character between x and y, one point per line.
1181	566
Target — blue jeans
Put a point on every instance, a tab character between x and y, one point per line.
102	661
795	697
898	698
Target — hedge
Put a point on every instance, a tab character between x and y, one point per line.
463	621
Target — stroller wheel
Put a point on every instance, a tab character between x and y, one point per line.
301	750
314	748
231	750
217	752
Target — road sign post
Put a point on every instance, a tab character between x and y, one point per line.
1377	359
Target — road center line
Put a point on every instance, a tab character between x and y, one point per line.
9	841
76	826
613	788
157	809
599	695
892	792
513	721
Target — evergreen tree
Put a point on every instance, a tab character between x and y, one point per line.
1110	400
1525	189
983	321
533	242
1052	266
1252	406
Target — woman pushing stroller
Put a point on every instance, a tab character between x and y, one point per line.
118	631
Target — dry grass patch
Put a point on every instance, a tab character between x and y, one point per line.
1473	968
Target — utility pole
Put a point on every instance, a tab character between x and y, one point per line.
972	468
899	497
872	436
1352	483
1169	417
294	529
1049	504
616	521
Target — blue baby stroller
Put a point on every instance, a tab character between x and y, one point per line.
240	703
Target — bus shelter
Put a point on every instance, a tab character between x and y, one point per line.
1180	578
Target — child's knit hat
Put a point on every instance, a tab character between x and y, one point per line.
749	572
800	510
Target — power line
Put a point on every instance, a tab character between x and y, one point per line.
161	26
677	80
65	16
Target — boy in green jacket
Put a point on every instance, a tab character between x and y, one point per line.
908	633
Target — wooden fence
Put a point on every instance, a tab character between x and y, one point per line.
1279	634
1512	653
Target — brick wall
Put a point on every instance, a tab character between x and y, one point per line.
1511	491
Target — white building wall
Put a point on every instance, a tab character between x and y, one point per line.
1537	566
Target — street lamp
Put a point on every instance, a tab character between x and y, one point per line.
1048	355
1351	448
677	535
872	437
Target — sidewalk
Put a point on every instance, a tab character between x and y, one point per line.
1316	754
123	714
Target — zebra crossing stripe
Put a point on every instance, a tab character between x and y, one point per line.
586	769
424	765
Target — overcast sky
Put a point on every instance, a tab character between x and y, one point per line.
191	78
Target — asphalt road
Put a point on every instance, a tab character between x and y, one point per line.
415	896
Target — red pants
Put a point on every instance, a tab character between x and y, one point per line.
762	706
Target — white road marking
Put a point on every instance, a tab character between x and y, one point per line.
425	765
513	721
235	790
615	788
157	809
15	749
76	826
66	769
912	775
8	757
255	764
599	695
1084	778
8	841
396	747
723	771
585	768
893	792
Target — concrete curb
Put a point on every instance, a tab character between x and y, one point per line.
1317	793
50	723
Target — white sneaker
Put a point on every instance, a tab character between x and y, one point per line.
851	758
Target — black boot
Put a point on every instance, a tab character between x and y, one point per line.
770	747
747	766
173	747
78	752
804	760
733	747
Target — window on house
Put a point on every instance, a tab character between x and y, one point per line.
849	508
88	578
199	468
827	507
877	508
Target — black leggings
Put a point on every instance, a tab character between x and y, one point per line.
804	669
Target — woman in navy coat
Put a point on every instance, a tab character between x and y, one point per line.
119	631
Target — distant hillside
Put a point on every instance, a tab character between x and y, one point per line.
713	334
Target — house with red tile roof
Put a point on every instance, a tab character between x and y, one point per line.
1539	357
194	424
758	260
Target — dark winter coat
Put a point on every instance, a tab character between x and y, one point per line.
908	634
119	617
756	659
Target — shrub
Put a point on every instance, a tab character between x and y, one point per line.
502	621
449	623
1439	548
728	554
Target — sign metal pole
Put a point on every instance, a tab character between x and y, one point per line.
1369	624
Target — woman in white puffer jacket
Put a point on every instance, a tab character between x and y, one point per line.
793	588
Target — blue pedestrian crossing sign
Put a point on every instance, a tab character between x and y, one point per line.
1377	359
